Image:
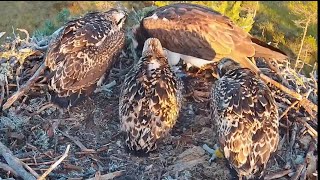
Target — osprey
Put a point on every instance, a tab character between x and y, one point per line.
201	36
246	117
83	53
150	99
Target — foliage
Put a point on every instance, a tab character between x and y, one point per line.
279	22
304	9
50	26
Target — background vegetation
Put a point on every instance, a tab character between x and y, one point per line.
288	25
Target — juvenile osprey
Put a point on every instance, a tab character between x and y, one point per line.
200	36
246	117
84	52
150	99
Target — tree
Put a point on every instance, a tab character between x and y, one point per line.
307	11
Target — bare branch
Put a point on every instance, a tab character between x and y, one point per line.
65	154
108	176
14	163
25	88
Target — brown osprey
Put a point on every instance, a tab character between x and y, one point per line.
150	99
83	53
200	36
246	117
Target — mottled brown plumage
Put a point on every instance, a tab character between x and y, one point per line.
150	99
83	52
200	32
246	117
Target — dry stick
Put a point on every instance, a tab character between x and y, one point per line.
303	173
306	103
311	131
14	163
30	170
2	93
76	141
25	87
49	105
65	154
109	175
277	174
27	34
97	176
41	163
286	111
8	168
298	172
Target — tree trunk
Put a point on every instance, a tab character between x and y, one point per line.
302	41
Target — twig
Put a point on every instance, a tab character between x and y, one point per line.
303	173
30	170
293	137
105	87
76	141
97	175
26	32
5	167
49	105
109	175
14	163
41	163
277	174
2	93
286	111
25	87
6	83
2	33
311	131
72	167
298	172
65	154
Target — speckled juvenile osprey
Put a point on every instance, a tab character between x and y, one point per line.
83	53
200	36
150	99
246	116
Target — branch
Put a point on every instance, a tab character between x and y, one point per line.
2	93
2	33
311	131
25	88
308	105
109	175
30	170
287	110
76	141
27	34
298	172
5	167
14	163
65	154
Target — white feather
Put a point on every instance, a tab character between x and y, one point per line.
174	59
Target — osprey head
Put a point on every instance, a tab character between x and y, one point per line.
119	16
226	65
152	46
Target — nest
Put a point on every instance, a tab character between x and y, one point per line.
86	143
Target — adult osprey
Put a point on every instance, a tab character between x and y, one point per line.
246	117
150	99
84	52
200	36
